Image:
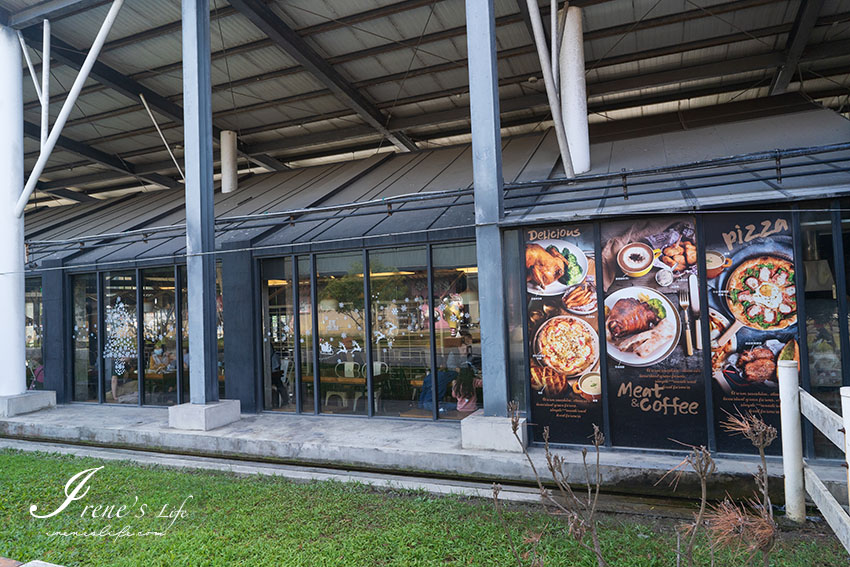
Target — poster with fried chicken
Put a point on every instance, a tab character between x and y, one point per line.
566	387
752	315
656	390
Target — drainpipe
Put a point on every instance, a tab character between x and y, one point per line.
573	91
12	296
229	179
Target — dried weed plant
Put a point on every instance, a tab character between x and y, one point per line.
701	462
577	509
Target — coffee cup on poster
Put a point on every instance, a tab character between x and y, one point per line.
635	259
589	386
715	262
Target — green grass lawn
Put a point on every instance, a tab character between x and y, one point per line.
256	521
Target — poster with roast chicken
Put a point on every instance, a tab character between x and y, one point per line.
656	390
752	315
566	386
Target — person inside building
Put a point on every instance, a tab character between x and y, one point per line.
159	359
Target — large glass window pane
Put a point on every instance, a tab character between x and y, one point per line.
341	310
457	330
183	355
822	335
120	345
305	318
160	328
219	328
84	337
34	330
278	336
401	348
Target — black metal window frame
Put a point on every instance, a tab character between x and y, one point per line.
294	257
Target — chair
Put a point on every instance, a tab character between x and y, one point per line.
343	370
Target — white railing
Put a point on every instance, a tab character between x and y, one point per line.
799	477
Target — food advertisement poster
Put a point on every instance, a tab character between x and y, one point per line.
566	387
752	315
656	389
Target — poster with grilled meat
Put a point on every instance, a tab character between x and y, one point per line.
656	389
752	315
566	387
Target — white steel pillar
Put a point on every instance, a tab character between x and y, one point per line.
12	296
488	190
229	166
574	91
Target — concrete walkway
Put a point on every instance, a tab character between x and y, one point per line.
379	445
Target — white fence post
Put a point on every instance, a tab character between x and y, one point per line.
845	416
792	440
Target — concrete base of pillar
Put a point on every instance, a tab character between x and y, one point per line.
203	417
30	401
478	431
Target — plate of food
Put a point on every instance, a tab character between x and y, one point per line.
755	367
580	299
642	326
761	294
718	323
552	266
567	345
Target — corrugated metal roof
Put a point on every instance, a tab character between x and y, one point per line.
145	44
525	159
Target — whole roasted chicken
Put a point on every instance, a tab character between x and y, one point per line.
630	316
542	266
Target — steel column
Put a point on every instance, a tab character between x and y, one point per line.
12	290
487	176
200	234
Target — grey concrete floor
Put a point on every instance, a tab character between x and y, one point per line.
410	448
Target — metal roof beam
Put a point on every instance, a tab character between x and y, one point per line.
287	39
66	194
97	156
106	75
49	10
804	23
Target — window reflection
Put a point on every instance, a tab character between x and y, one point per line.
120	346
822	335
305	319
84	337
341	310
401	348
457	331
160	334
278	336
34	330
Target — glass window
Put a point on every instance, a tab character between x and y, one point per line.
278	336
120	345
401	338
160	333
183	355
457	330
84	337
822	335
34	330
515	296
305	318
219	327
341	310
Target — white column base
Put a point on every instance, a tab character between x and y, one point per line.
478	431
30	401
203	417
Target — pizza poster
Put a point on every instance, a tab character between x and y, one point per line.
656	389
752	315
562	309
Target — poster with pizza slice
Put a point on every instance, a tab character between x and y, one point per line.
563	337
752	315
